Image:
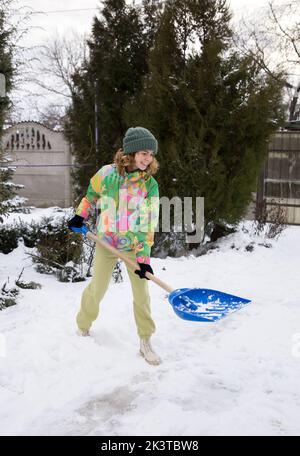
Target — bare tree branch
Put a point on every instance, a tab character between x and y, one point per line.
57	61
292	38
272	39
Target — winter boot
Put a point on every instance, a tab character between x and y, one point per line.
148	353
83	333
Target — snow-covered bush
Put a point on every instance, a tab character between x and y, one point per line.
56	249
9	238
8	296
59	251
27	285
11	233
9	201
270	221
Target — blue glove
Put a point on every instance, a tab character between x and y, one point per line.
143	269
76	224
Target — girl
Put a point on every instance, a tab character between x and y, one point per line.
127	195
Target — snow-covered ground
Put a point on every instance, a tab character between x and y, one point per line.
239	376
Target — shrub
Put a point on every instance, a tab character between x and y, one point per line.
270	220
8	296
9	235
59	251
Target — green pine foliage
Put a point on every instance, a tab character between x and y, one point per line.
119	46
178	74
160	98
239	109
212	109
6	69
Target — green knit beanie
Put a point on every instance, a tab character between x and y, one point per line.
139	138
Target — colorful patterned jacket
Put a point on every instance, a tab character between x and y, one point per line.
129	209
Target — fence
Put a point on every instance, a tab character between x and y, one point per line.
279	183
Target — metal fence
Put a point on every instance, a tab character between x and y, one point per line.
279	184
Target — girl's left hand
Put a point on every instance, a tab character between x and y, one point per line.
143	269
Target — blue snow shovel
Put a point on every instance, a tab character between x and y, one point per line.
194	304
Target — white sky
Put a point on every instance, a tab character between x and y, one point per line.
55	18
51	16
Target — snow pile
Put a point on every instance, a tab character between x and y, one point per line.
239	376
37	215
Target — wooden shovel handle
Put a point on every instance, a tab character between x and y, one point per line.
132	264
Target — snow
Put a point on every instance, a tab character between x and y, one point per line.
239	376
36	215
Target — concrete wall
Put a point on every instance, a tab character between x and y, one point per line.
42	159
281	176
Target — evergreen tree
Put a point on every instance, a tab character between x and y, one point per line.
6	69
174	70
160	99
212	109
119	48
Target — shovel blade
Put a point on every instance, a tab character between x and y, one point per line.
203	304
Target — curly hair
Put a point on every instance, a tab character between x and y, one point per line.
122	160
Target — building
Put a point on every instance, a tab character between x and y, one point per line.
42	160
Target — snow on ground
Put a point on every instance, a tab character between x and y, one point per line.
239	376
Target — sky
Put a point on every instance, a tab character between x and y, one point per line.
56	16
50	17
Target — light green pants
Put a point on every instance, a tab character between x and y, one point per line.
104	264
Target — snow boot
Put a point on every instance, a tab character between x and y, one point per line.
148	353
83	333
